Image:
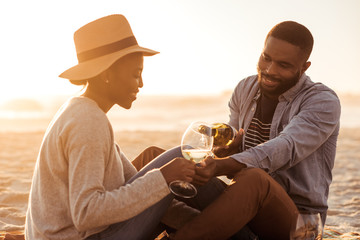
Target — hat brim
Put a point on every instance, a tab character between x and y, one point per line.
94	67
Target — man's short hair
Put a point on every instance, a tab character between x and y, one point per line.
294	33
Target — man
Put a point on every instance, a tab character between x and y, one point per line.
283	163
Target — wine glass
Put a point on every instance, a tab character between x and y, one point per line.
308	227
196	145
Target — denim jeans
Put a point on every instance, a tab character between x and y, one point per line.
142	225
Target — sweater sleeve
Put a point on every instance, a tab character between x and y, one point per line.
129	168
91	154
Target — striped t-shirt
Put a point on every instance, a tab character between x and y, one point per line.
259	128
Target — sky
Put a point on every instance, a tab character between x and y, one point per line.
206	46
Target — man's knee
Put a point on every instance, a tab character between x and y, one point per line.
154	150
254	180
260	182
147	156
252	174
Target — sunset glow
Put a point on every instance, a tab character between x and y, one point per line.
205	46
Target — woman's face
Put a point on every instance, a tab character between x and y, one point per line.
124	79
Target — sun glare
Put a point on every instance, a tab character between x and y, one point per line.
204	49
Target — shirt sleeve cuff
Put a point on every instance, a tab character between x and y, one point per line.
249	158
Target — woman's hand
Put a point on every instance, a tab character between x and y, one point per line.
231	149
178	169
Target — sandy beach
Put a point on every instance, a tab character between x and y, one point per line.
18	154
19	145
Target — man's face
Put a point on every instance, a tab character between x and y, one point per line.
280	66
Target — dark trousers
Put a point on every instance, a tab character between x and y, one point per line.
254	200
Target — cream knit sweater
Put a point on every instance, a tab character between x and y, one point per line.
78	184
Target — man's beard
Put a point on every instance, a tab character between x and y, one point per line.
285	84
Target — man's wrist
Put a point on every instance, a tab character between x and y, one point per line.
227	166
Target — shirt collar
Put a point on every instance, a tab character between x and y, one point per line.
292	92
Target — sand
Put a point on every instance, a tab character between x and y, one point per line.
160	121
19	150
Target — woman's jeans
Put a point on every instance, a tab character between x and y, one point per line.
143	225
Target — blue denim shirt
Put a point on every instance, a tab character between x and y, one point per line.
300	154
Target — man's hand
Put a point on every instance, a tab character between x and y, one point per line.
205	170
213	167
231	149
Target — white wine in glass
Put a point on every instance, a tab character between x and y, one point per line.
196	145
196	155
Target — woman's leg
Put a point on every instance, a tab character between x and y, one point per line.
158	162
142	225
206	194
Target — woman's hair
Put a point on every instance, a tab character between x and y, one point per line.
84	82
79	82
294	33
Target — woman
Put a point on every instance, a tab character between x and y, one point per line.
83	185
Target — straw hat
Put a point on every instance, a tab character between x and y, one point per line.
100	43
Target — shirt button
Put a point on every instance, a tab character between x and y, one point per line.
253	109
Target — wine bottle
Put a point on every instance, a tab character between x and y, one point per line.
223	133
